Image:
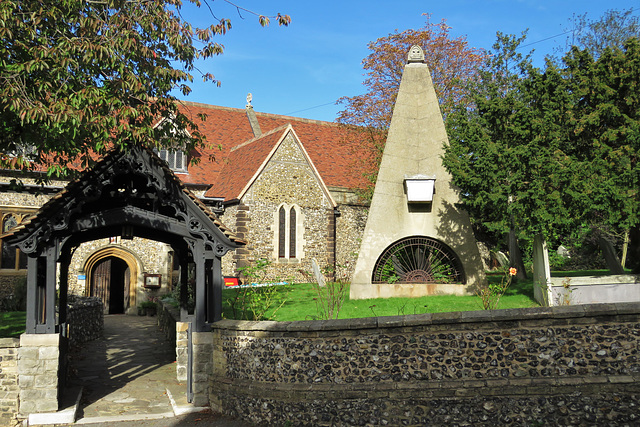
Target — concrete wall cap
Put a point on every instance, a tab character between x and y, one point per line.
30	340
514	314
561	312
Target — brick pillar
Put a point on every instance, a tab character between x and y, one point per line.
38	369
241	256
331	244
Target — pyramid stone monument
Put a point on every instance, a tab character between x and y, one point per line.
417	241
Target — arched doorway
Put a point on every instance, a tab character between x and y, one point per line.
111	281
112	274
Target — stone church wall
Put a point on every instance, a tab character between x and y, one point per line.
259	231
19	202
152	255
349	228
288	179
230	219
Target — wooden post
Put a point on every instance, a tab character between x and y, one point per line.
200	298
32	302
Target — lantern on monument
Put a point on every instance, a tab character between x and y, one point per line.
419	188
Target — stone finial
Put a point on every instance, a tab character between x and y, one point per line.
415	54
249	99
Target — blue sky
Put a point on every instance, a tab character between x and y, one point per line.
301	70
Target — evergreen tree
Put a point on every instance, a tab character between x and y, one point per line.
552	150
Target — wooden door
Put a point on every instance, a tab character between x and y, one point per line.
101	282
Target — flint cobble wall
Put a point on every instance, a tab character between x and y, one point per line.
85	318
562	366
349	229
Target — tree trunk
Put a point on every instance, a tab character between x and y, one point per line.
515	256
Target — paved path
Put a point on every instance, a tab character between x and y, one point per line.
126	374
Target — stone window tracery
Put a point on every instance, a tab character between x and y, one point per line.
288	232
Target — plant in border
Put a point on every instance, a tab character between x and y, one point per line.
253	300
491	294
331	296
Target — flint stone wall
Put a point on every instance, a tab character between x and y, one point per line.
349	228
167	318
543	366
287	179
85	318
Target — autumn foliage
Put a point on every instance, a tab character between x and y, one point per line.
452	63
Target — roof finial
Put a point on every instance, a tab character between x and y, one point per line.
415	54
253	119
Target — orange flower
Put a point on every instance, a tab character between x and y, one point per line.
512	271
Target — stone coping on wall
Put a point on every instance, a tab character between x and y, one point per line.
612	279
450	388
9	342
452	318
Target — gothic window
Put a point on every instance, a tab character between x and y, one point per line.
292	233
282	228
11	258
288	232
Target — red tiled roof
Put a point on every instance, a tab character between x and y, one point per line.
243	162
226	128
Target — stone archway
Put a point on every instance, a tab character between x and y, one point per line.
135	269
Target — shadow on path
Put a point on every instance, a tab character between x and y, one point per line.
127	372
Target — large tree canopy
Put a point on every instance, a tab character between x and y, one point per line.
554	149
80	76
452	63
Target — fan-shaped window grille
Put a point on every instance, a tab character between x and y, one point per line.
418	260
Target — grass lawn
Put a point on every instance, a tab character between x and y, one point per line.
12	324
300	303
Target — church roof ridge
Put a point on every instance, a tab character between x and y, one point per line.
266	115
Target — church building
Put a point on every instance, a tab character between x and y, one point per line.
287	186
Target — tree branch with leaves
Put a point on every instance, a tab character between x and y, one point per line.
80	77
